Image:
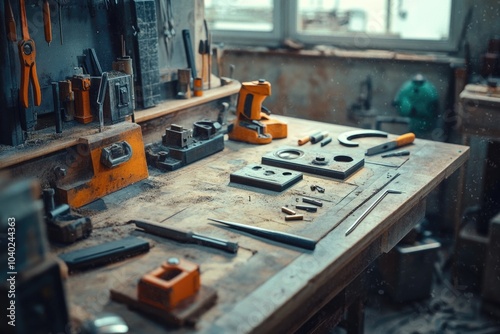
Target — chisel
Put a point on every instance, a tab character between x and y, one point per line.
286	238
402	140
185	236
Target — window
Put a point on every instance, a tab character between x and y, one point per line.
377	24
242	21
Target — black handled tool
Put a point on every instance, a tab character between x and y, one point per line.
188	47
185	236
283	237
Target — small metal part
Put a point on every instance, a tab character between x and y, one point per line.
62	209
326	141
173	261
307	208
287	210
396	154
345	138
48	200
294	217
60	172
320	189
370	208
312	201
316	138
107	323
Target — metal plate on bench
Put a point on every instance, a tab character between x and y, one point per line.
266	177
338	164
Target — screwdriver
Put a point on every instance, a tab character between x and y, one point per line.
47	25
402	140
185	236
286	238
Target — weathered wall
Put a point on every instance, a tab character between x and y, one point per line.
324	87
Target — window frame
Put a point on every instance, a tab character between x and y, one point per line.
285	26
254	38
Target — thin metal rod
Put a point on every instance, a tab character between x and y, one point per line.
367	211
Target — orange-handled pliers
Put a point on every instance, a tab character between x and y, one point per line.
27	55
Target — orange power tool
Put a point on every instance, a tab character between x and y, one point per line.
27	55
253	124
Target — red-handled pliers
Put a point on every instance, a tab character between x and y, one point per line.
27	55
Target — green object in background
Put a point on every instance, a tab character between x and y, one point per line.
418	99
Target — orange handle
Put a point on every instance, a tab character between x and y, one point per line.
47	25
405	139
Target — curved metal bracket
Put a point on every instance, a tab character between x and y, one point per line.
345	138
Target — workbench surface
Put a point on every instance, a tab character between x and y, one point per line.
266	286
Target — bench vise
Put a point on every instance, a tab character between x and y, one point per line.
101	164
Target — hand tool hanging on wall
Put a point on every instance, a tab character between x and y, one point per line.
286	238
27	55
402	140
47	24
10	22
59	12
167	17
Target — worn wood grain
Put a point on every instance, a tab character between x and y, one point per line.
266	286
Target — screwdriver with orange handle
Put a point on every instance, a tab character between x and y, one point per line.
402	140
47	24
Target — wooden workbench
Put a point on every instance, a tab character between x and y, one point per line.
266	287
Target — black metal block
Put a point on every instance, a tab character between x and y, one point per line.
266	177
339	164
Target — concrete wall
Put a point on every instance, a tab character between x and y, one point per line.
323	88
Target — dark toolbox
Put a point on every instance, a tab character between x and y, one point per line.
118	103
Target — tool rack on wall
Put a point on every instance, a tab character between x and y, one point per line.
111	29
